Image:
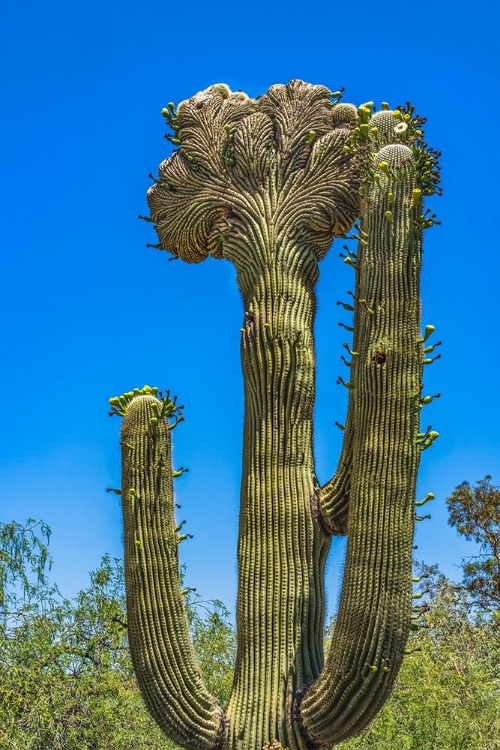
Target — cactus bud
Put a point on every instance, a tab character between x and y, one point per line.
422	518
417	579
341	381
427	498
429	330
349	261
416	195
346	306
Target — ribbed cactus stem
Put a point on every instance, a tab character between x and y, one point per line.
333	498
162	653
281	551
374	612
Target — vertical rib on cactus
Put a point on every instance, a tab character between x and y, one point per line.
267	184
158	632
374	613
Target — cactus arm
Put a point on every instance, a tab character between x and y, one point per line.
162	653
333	497
374	613
331	501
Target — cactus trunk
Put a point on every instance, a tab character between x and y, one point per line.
281	550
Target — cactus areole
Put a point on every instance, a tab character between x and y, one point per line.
268	184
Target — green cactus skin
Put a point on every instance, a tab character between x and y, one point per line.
268	184
373	619
162	652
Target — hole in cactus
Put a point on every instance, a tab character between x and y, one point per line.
379	359
249	319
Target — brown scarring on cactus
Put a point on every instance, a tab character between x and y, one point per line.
267	184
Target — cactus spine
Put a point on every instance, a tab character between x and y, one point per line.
267	184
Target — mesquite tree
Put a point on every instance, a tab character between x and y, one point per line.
267	184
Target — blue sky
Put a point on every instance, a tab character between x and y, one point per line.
89	312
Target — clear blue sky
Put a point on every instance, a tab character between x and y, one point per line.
88	312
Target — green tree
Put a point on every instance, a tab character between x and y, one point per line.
475	513
66	679
214	640
24	560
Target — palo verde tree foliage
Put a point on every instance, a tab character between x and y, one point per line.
268	184
66	679
475	513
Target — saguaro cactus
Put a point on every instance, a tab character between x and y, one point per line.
267	184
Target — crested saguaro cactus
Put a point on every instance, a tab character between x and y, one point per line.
267	184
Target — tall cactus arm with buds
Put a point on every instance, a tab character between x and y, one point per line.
267	185
162	653
386	372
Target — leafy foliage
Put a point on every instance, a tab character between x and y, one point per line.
215	644
475	513
66	679
23	562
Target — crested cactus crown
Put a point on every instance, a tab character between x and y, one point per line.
281	155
